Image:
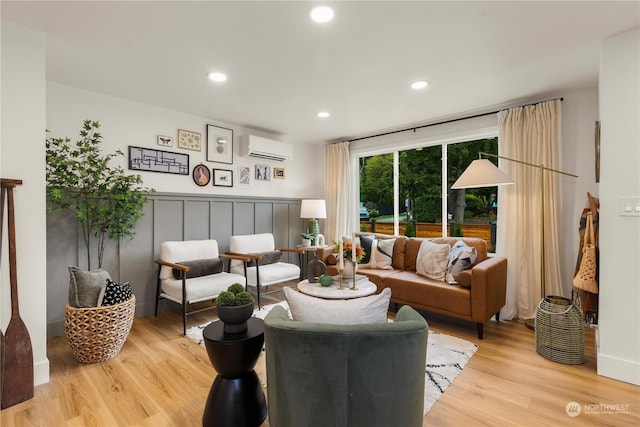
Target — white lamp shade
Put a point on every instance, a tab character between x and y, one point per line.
313	208
482	173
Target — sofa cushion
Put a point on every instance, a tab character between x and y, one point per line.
474	242
371	309
411	253
199	268
85	286
461	257
432	295
432	260
399	248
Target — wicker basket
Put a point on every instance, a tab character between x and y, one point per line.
559	331
97	334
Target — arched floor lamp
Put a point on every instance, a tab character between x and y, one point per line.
483	173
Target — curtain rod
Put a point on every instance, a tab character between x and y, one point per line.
414	128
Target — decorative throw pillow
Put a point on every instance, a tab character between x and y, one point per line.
368	245
268	257
378	253
200	267
113	293
432	260
371	309
461	257
384	254
85	286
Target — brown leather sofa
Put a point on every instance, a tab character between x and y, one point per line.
478	296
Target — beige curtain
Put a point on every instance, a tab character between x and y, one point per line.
337	191
531	134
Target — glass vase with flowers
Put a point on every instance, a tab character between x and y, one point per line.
349	256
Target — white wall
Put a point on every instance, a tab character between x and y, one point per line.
619	314
22	157
579	114
125	123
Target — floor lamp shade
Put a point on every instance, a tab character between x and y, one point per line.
482	173
313	209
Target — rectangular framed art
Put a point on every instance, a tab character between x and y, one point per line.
244	174
278	173
189	140
147	159
219	145
222	178
165	141
263	173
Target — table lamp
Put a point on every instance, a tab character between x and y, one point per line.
313	209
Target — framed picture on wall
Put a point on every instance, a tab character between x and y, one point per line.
222	178
263	173
201	175
189	140
165	141
278	173
148	159
219	145
244	175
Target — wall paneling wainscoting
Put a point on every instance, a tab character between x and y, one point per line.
166	217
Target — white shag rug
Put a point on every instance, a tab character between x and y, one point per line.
446	357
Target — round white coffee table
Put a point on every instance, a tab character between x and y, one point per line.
365	288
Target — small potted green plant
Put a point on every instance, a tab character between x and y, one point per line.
306	239
235	307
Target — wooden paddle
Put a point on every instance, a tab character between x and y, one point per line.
2	193
17	374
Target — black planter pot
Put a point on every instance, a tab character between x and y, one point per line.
235	318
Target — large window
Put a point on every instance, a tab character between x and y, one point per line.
426	205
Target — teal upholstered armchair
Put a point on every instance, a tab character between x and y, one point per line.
322	375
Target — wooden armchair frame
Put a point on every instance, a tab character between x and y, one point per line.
183	277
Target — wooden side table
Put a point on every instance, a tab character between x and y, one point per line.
236	398
306	250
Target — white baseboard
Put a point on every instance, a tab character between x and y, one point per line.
619	369
41	372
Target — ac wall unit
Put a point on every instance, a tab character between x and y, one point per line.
264	148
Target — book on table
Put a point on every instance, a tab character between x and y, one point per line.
359	278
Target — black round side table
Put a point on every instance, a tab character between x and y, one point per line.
236	398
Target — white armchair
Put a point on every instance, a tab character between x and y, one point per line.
265	267
192	271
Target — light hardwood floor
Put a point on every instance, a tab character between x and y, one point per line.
162	379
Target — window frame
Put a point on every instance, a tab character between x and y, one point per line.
438	135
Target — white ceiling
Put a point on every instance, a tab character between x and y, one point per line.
283	68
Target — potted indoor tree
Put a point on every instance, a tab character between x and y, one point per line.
235	307
106	201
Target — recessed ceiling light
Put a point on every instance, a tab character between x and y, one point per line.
323	114
321	14
420	84
217	77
